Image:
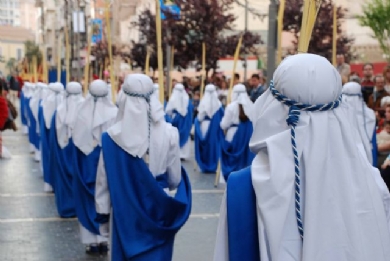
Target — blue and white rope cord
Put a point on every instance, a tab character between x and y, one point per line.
292	121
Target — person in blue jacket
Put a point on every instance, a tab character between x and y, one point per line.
139	165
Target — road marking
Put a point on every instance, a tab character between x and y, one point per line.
48	219
26	195
205	215
58	219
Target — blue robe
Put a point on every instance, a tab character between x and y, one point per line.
45	146
145	218
208	147
61	173
236	154
23	109
84	188
32	128
374	149
183	124
242	217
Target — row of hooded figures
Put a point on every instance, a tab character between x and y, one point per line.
298	166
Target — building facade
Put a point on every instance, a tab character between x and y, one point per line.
28	15
10	12
12	40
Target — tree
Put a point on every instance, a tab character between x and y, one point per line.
100	52
200	21
31	49
321	40
11	65
376	15
146	25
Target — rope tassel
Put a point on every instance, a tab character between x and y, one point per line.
292	121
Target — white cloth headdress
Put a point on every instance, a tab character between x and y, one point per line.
240	96
156	92
209	104
67	112
178	101
27	89
360	115
308	168
51	103
385	101
39	93
95	115
138	110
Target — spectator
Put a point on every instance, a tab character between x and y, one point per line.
236	79
223	91
342	67
367	81
355	78
386	75
257	87
14	87
3	108
374	100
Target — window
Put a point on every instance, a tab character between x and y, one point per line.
19	54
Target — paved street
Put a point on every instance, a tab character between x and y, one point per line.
30	229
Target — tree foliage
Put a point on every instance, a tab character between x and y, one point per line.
200	21
376	15
11	65
31	49
321	40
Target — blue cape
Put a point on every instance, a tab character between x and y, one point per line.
22	109
45	147
84	188
61	173
145	218
242	217
236	154
374	149
183	124
32	128
208	147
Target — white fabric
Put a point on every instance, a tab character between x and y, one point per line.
362	117
232	111
342	206
178	101
50	104
134	112
240	95
88	238
28	89
67	112
5	153
385	101
221	250
156	92
209	104
40	93
131	130
185	151
95	115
